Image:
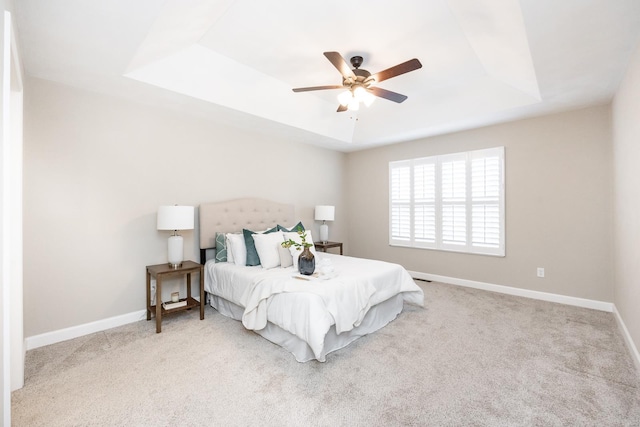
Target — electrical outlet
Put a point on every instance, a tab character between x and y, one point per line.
540	272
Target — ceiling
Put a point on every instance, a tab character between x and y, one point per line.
236	61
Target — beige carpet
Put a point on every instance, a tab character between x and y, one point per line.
469	358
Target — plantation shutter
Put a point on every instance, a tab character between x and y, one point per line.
487	210
454	199
450	202
424	202
400	206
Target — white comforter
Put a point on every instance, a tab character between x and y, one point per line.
308	309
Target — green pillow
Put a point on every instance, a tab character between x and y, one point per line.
221	248
297	227
252	253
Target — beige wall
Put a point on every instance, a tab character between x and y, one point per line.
558	205
96	169
626	190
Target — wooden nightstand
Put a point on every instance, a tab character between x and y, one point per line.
323	246
163	271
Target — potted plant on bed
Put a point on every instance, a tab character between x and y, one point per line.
306	260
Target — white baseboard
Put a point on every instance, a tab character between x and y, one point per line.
544	296
85	329
627	339
112	322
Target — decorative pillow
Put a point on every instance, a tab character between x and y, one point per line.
267	247
294	228
286	260
221	247
238	248
252	254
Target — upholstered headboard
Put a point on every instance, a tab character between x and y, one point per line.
233	215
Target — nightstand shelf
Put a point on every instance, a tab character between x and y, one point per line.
164	271
191	303
323	246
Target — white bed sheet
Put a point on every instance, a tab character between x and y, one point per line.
309	310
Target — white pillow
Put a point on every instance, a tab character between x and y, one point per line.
267	248
229	251
286	260
238	248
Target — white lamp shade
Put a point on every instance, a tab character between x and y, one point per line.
345	97
368	98
175	218
359	93
325	213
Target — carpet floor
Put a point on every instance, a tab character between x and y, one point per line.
469	358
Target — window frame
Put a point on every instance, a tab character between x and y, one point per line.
483	207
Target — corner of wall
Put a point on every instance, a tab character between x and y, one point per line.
633	350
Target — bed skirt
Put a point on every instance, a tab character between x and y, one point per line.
376	318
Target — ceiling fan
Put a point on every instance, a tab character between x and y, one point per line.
359	83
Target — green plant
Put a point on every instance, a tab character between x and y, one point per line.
291	242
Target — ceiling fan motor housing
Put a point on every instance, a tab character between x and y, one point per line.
362	79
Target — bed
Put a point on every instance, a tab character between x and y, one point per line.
309	318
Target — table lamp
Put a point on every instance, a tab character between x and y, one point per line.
175	218
325	213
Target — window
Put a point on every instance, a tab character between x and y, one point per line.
451	202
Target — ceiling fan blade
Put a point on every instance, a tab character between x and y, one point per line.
387	94
405	67
307	89
341	108
338	61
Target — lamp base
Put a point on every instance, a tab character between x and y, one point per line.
324	233
175	251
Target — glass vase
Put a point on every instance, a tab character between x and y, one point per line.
306	262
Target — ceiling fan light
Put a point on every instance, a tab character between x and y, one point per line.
354	105
344	98
359	93
368	98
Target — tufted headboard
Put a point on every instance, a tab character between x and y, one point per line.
233	215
